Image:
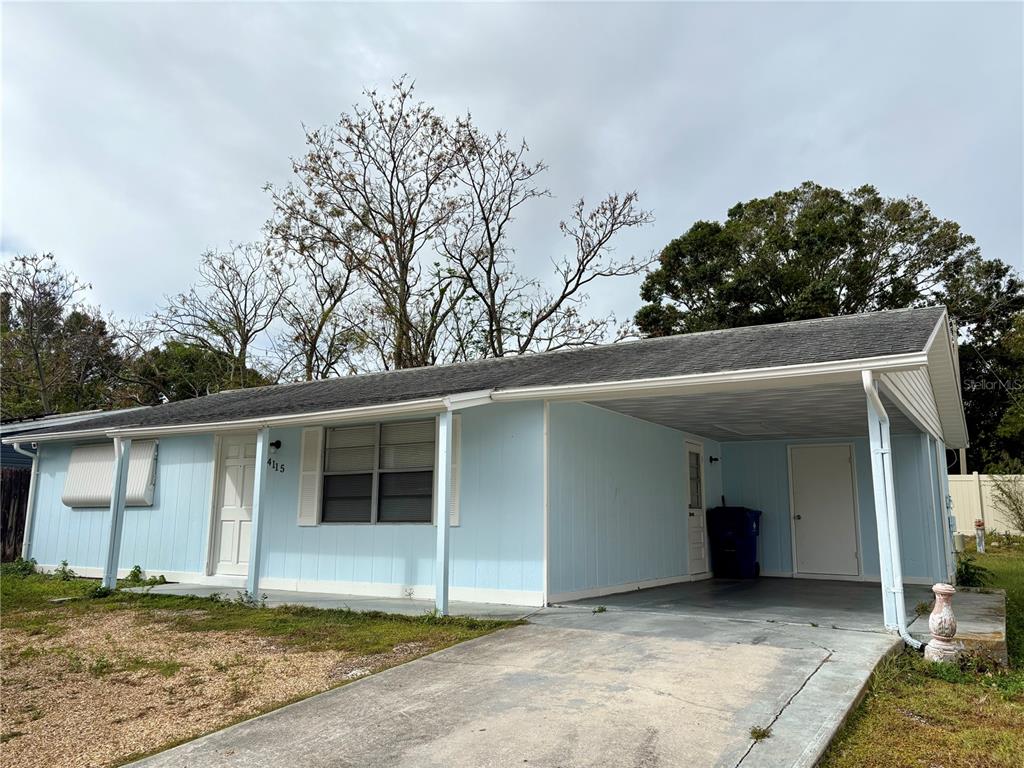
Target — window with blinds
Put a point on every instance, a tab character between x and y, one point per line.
381	473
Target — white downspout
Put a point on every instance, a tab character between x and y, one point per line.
26	539
890	511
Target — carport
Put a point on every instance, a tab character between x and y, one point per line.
845	459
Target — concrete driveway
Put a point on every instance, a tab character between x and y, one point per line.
649	681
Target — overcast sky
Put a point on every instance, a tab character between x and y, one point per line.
137	135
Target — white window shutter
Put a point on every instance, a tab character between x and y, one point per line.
311	475
453	491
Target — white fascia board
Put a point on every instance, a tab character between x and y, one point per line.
666	385
335	416
954	425
318	418
77	434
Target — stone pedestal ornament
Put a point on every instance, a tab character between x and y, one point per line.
942	625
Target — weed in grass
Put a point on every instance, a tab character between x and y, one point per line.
75	663
237	693
102	666
136	578
5	737
757	733
249	600
63	572
599	609
165	667
971	574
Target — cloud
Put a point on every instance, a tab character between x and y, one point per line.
137	135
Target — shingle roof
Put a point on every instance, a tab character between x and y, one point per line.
832	339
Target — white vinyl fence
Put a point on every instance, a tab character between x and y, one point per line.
974	499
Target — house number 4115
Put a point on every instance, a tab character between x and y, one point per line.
275	465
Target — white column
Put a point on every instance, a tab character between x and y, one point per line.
252	582
946	505
442	482
118	488
878	483
30	506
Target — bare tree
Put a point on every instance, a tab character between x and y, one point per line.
520	314
235	299
418	208
378	186
318	337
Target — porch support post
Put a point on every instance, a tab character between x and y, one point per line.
945	509
118	489
936	559
252	581
442	483
879	469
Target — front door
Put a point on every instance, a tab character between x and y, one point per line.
696	530
824	510
234	503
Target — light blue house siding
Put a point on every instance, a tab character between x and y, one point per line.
169	537
498	544
617	503
756	475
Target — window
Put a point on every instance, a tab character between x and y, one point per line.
381	473
696	492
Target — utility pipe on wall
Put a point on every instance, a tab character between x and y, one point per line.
26	537
895	558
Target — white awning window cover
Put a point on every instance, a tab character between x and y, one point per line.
91	473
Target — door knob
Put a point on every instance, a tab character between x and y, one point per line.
796	517
691	514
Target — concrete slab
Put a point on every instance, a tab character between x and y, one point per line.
840	604
404	606
576	688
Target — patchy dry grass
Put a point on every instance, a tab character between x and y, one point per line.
923	714
95	681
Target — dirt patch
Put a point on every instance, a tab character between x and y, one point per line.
108	686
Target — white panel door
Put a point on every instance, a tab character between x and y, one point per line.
824	510
234	503
696	520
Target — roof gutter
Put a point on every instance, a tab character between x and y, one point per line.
671	384
455	402
867	377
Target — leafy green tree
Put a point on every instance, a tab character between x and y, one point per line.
177	370
814	252
57	355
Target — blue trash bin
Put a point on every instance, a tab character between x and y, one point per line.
733	536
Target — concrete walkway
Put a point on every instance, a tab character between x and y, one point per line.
629	686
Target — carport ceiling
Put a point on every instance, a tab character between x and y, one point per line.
837	410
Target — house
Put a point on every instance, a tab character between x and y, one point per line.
560	475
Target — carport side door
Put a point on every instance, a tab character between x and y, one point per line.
696	532
824	510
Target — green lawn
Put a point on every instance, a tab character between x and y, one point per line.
26	603
922	714
100	677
